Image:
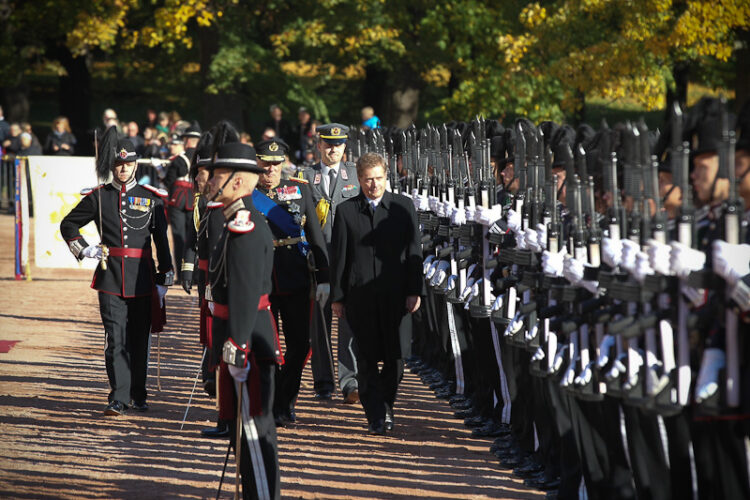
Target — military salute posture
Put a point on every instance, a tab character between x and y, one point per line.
300	269
332	181
131	292
245	338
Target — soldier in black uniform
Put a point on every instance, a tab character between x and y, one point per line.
177	180
289	207
240	274
131	215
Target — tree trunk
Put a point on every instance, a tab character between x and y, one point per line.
74	96
742	74
375	93
221	106
579	115
403	106
680	73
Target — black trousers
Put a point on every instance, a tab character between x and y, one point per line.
294	311
180	220
266	434
378	387
127	324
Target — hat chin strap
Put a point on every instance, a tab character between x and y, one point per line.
221	189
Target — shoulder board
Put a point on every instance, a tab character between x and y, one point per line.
87	191
157	191
350	164
214	204
241	222
297	179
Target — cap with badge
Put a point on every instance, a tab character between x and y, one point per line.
175	139
237	156
125	151
272	150
333	133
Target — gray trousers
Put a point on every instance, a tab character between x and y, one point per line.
321	355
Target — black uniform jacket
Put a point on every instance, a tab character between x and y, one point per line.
131	215
178	181
240	270
377	263
290	268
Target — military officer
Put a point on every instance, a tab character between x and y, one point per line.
240	275
128	216
333	181
300	263
180	186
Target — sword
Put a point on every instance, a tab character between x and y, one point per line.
253	443
200	369
224	470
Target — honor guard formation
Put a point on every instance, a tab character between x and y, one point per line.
579	297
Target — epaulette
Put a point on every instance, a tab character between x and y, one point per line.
214	204
241	222
299	179
157	191
88	191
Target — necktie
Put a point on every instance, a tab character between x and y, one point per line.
331	181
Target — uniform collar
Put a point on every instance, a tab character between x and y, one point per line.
236	206
325	168
130	185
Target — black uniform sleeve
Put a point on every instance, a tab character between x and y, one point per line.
159	233
314	236
414	280
71	225
244	285
339	256
177	168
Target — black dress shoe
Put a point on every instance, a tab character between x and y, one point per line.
543	483
476	421
284	417
528	469
444	392
115	408
492	429
139	405
389	420
221	430
468	412
461	405
511	461
376	428
457	398
323	395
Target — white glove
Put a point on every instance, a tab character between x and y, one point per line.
611	251
469	213
423	203
541	232
538	355
473	294
470	271
658	257
553	263
427	264
322	292
521	240
532	332
731	262
514	325
585	376
514	221
162	291
440	209
683	260
451	283
458	216
618	368
447	210
415	202
696	296
708	377
239	374
487	217
632	379
92	252
573	270
211	306
467	290
432	269
570	373
642	267
432	202
591	286
532	243
498	303
440	272
559	359
629	251
608	342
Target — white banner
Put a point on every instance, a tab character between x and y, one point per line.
56	184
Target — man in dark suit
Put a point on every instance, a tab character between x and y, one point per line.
332	181
376	284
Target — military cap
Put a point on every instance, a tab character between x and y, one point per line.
584	134
549	128
193	130
494	129
237	156
125	151
510	146
562	143
272	150
175	139
704	126
333	133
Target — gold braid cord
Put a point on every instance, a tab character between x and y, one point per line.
322	209
196	212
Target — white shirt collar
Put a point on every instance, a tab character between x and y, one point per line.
327	168
374	203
